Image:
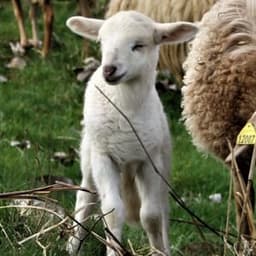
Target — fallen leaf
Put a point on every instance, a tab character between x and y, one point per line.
16	63
65	158
3	79
216	198
23	144
17	49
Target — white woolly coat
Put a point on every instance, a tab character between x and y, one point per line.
109	132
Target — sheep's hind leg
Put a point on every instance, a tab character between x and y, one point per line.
154	207
18	12
48	26
107	180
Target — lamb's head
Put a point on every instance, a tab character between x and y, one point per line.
129	42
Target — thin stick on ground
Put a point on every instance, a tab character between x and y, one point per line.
246	198
58	186
41	232
131	247
228	206
239	195
33	207
202	226
44	248
6	236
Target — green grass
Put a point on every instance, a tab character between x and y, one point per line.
43	104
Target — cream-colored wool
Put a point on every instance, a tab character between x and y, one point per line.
220	91
171	56
220	83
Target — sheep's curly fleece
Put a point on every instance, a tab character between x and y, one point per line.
171	56
220	82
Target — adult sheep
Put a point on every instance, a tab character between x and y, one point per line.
220	81
171	56
112	159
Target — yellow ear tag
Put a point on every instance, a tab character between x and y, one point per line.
247	135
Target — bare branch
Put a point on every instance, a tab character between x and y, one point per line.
43	231
58	186
226	246
7	237
246	203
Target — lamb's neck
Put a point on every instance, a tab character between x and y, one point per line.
132	95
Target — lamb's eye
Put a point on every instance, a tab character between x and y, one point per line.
137	47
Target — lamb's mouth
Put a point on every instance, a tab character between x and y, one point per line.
113	80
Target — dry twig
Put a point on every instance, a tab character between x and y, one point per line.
6	236
43	231
58	186
226	246
246	202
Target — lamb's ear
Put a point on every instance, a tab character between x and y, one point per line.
176	32
85	27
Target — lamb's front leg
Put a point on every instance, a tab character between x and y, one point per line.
107	180
84	201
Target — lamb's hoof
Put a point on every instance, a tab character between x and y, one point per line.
73	246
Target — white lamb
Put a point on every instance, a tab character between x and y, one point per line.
112	159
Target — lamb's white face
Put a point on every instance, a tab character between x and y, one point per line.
128	48
129	42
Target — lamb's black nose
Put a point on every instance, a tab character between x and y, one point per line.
109	71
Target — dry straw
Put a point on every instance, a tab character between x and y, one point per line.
240	191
